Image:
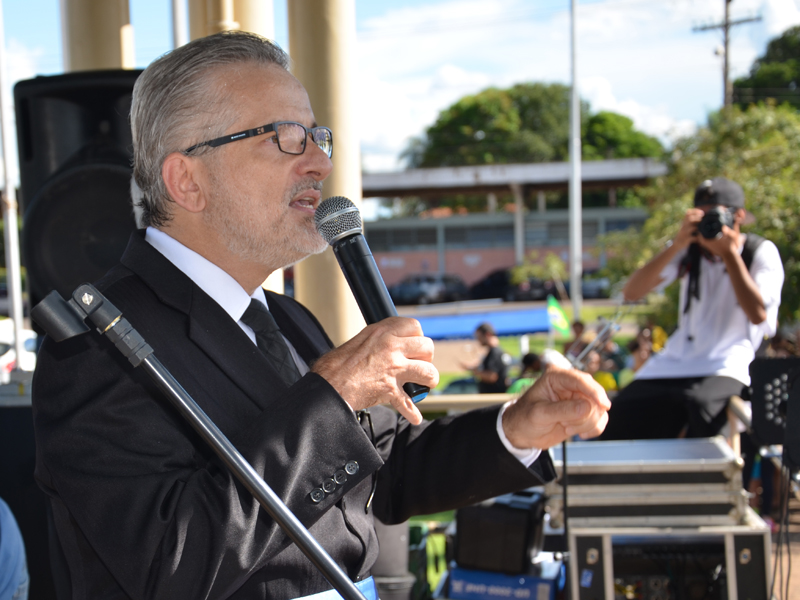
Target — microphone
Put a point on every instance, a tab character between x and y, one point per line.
339	223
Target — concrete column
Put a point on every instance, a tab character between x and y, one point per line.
257	16
212	16
197	19
541	203
180	23
441	249
519	224
97	34
322	36
491	202
219	16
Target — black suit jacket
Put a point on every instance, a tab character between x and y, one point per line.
143	508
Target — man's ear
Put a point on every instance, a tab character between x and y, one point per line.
180	173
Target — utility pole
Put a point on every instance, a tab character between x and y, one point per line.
575	189
727	84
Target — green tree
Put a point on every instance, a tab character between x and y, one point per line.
525	123
754	147
607	135
528	122
774	75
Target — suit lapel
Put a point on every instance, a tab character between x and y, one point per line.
221	338
210	327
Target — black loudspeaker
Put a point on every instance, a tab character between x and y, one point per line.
503	534
771	381
75	152
791	440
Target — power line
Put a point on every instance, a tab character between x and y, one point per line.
725	26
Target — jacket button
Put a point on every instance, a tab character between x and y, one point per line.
328	486
340	477
351	467
317	495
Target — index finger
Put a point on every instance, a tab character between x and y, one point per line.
576	384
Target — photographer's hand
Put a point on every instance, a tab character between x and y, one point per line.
688	231
727	247
724	246
649	276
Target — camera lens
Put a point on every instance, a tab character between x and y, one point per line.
710	226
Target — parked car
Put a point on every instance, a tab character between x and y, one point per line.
593	286
426	288
498	284
8	355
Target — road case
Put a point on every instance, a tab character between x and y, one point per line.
661	483
664	563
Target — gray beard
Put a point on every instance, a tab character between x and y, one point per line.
276	246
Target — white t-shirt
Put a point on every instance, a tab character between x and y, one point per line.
715	337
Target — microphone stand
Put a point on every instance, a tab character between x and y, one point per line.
62	320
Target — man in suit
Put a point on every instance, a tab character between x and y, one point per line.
142	508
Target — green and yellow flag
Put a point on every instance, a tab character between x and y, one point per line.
557	316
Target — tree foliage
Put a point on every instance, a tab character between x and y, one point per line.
774	75
757	148
607	135
528	122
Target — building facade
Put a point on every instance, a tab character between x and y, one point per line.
472	246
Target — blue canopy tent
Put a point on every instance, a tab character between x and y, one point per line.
517	322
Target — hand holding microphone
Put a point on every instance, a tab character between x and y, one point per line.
390	349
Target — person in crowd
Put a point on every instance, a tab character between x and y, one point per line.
594	366
730	292
575	346
531	367
14	580
612	357
638	353
230	162
492	372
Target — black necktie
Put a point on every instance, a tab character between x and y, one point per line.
270	341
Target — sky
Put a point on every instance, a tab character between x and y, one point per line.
415	58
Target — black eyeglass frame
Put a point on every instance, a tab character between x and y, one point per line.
243	135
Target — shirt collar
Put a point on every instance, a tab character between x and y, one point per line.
215	282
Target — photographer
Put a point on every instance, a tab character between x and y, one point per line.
730	292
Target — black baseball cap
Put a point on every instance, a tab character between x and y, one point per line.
719	191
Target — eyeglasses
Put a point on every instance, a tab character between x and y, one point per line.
290	136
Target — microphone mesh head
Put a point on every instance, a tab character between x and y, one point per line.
337	217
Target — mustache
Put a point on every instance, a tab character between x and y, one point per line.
309	183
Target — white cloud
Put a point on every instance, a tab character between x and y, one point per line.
637	57
779	15
653	120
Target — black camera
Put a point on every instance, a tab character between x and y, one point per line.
710	226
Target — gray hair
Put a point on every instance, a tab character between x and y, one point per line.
175	104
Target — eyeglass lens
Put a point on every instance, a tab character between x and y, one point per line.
292	138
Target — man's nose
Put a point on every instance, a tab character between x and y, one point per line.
318	164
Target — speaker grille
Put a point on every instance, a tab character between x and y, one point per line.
336	217
77	228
